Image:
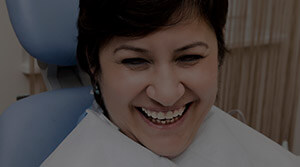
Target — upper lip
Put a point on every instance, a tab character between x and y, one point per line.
163	109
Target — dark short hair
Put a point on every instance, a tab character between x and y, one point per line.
101	20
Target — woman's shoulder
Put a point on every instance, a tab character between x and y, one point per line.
97	142
260	149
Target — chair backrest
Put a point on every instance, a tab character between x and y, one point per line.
46	28
33	127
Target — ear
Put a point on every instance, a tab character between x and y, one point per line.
92	69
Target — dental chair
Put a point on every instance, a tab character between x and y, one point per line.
32	128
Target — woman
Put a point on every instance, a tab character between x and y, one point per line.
154	68
154	57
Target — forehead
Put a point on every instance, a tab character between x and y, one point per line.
171	36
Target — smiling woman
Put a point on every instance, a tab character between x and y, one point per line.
159	80
110	22
157	89
154	68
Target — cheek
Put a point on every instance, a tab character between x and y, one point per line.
121	86
203	79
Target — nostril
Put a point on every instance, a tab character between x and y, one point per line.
150	91
181	89
166	95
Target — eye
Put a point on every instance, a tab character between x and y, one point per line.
136	64
134	61
189	58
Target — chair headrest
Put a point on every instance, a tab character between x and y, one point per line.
46	28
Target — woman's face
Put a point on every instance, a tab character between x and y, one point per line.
159	88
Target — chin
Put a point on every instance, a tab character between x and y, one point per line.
168	148
169	153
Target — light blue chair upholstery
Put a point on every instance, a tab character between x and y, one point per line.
46	28
32	128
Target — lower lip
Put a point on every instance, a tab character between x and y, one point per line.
167	126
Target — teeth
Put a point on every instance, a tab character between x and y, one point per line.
167	121
170	115
145	111
153	115
161	115
180	111
176	112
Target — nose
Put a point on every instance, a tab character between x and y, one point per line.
165	88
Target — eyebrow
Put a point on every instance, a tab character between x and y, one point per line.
141	50
192	45
131	48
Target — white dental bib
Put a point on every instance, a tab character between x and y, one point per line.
221	141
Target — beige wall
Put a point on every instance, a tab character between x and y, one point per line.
296	148
12	83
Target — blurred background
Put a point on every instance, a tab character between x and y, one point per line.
260	77
261	74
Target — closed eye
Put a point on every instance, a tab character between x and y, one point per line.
189	58
134	61
136	64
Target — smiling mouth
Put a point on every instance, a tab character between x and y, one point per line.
164	118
